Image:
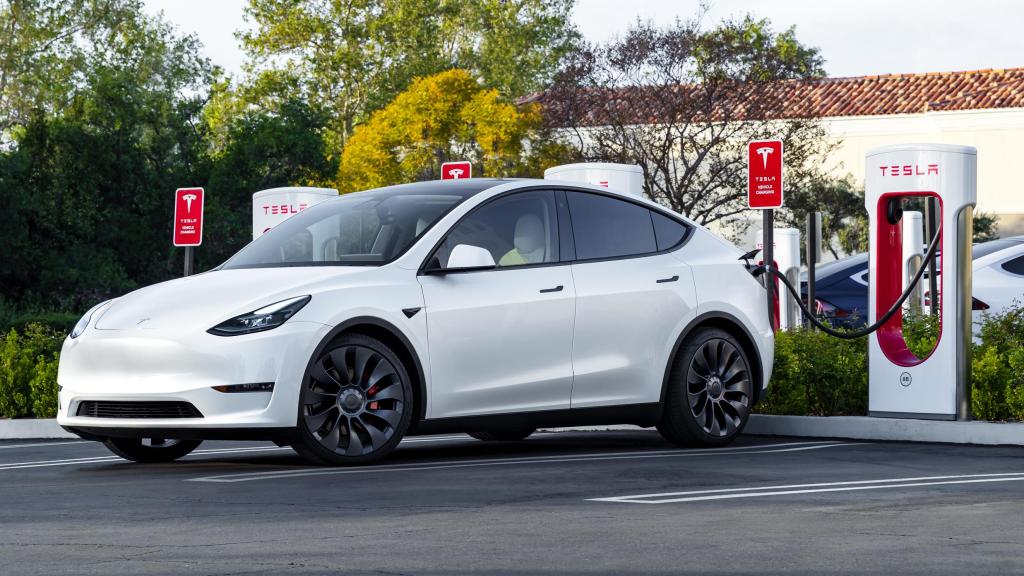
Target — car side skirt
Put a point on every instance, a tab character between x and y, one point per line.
644	415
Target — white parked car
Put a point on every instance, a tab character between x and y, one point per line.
492	307
998	280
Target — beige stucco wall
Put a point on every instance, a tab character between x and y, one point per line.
997	134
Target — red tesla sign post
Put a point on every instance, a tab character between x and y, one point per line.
764	192
188	222
456	170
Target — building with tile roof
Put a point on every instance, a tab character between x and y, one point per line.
981	108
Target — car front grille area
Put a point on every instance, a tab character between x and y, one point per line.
107	409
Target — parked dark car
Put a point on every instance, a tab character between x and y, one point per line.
841	287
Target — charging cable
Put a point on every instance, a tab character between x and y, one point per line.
932	249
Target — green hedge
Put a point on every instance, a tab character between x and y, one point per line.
28	372
816	374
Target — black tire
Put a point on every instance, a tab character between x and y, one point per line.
709	390
150	450
503	435
355	405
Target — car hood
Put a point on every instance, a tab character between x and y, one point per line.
207	299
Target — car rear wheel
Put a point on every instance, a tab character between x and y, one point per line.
149	450
709	390
356	403
503	435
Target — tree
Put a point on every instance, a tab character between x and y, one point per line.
353	57
87	181
682	102
438	118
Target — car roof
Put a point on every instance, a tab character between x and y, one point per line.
464	187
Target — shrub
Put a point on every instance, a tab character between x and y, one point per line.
997	374
43	387
21	354
817	374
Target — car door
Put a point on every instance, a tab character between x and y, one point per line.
500	336
631	296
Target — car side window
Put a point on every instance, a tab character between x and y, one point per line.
667	231
1015	266
606	227
518	230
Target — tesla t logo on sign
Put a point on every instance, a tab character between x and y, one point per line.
764	174
456	170
188	217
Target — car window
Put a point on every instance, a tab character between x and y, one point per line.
606	227
363	228
1015	266
667	231
518	230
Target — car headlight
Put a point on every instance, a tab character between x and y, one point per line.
266	318
86	319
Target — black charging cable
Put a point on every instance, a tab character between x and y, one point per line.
932	249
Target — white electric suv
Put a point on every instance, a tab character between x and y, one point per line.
492	307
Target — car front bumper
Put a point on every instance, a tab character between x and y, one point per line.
138	366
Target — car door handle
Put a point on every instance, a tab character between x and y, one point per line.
555	289
672	279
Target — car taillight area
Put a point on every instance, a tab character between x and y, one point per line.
828	310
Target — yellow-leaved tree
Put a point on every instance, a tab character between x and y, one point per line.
446	116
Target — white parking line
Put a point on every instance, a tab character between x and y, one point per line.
207	452
450	464
42	444
763	491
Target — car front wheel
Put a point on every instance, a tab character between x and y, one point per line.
709	390
356	403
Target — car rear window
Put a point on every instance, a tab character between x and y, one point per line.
605	227
1015	266
667	231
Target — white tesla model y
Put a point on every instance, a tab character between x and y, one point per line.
492	307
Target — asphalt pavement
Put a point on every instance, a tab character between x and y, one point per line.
563	503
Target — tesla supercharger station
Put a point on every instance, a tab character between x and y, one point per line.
273	206
787	261
901	384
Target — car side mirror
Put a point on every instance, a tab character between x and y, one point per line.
469	257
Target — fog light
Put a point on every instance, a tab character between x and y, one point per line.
258	387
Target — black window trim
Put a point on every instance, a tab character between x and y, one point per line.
561	188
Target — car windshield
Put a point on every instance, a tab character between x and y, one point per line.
358	229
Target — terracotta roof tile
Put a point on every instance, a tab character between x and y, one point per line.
883	94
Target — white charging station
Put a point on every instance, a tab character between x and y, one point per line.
627	178
913	257
273	206
787	261
901	384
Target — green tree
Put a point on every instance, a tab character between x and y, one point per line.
87	182
441	117
353	57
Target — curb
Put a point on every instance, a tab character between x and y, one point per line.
891	429
31	428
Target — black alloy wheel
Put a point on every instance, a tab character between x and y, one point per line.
150	450
710	390
356	403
